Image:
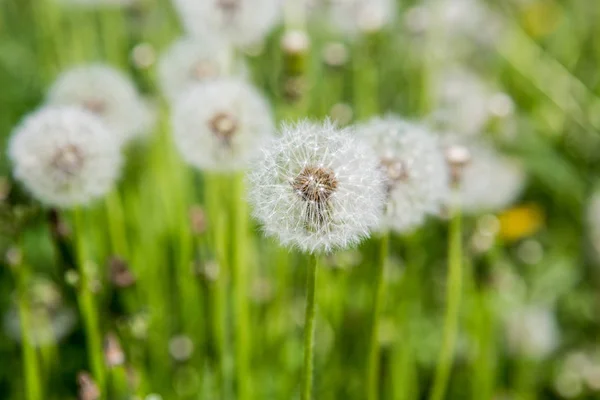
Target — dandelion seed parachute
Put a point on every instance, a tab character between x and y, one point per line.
242	22
317	188
65	156
220	125
191	60
109	94
415	169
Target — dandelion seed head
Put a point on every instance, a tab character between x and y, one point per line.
65	156
51	320
462	100
489	181
295	42
414	167
532	331
220	125
191	60
109	94
317	188
351	17
242	22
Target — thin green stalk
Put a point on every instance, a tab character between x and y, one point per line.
116	224
309	328
240	276
87	307
453	298
218	293
378	299
31	366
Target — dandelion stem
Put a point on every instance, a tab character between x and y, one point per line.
239	271
453	297
309	328
31	367
87	306
378	299
116	225
218	291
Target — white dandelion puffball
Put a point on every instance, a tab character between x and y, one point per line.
462	102
189	61
532	331
351	17
415	170
220	125
51	320
318	188
490	181
65	156
109	94
242	22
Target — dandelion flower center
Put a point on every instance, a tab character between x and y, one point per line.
203	70
67	160
395	171
95	106
315	184
228	6
224	126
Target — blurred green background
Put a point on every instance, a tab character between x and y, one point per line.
536	68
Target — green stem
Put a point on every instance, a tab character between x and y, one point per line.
378	299
31	367
309	328
218	292
116	224
87	307
453	298
240	272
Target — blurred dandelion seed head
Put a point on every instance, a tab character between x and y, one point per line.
220	125
489	181
317	188
351	17
192	60
65	156
295	42
415	170
107	93
51	319
241	22
532	331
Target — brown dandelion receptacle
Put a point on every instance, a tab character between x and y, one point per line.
95	106
224	126
395	172
316	185
204	70
67	160
228	6
457	157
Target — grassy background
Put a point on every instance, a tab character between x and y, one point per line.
547	59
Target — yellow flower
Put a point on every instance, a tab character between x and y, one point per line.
521	222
